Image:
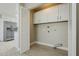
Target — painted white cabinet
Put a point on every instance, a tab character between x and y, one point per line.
53	14
63	12
46	15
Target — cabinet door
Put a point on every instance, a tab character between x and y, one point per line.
46	15
52	14
64	12
36	18
40	17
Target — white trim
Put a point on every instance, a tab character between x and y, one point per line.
46	44
63	48
32	43
73	29
50	45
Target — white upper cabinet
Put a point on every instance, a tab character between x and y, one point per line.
46	15
53	14
63	12
40	17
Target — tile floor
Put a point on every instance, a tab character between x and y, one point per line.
40	50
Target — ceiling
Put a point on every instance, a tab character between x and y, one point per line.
9	9
33	5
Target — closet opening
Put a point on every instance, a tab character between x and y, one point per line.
49	30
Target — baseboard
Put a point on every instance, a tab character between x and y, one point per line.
33	43
41	43
63	48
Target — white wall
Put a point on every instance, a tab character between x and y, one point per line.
8	13
8	9
1	30
58	34
24	29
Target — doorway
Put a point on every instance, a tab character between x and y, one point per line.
49	30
